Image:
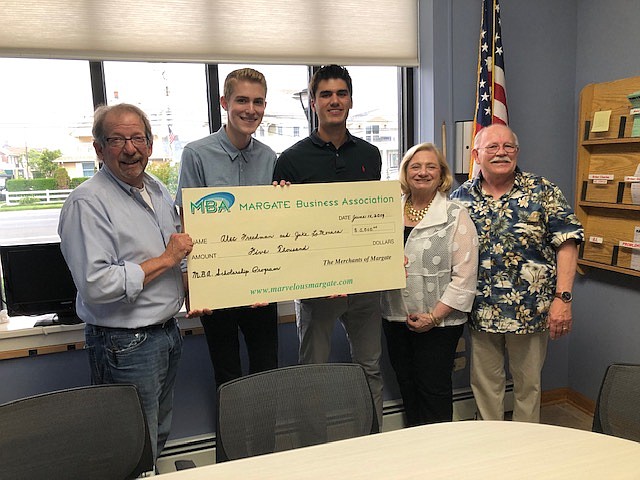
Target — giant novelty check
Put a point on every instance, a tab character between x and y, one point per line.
266	244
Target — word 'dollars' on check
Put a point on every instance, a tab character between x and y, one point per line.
267	244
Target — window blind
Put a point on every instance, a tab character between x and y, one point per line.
350	32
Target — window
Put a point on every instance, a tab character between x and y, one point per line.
48	104
393	163
88	169
46	107
373	129
375	113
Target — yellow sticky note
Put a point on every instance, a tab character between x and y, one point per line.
601	121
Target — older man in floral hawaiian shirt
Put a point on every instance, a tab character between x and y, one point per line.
528	237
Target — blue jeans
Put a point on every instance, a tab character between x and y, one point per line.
146	357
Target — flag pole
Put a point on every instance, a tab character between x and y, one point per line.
443	131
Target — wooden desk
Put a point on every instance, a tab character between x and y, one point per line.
458	450
19	337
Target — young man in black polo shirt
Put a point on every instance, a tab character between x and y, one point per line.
332	154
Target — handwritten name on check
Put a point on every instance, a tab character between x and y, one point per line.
268	244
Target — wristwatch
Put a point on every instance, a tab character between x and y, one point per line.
566	297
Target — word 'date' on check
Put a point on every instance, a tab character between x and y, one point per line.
267	244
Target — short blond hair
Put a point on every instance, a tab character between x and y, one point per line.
243	74
445	175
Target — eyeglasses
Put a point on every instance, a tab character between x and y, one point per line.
119	142
491	149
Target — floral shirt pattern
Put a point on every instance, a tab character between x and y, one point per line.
518	235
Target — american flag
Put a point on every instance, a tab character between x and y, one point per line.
172	137
491	93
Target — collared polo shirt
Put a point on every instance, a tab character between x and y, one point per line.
312	160
215	161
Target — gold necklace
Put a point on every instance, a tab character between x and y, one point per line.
413	214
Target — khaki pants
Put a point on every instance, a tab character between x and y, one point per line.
526	355
360	316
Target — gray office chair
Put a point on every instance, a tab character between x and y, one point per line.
618	405
293	407
96	432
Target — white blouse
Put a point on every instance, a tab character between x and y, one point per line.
442	253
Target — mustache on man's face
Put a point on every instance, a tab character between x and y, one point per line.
501	159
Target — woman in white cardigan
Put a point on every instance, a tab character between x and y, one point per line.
424	321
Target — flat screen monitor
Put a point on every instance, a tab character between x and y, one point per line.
37	281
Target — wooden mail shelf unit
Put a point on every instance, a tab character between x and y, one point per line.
608	162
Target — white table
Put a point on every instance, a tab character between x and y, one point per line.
457	450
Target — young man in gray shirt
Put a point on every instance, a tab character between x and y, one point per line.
232	157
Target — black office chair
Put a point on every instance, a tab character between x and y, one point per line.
293	407
618	405
96	432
